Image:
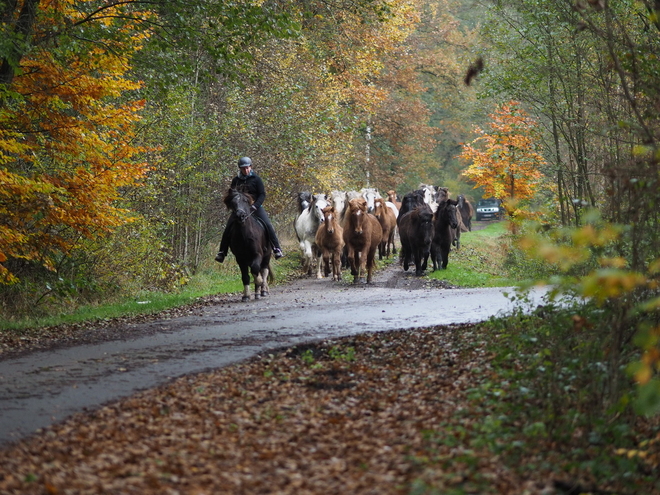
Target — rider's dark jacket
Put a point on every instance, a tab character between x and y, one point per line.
251	184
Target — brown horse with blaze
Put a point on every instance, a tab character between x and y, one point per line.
362	235
330	243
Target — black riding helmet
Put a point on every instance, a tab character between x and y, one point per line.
244	162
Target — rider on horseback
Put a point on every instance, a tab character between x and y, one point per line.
249	182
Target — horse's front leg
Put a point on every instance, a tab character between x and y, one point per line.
245	278
361	262
258	279
351	260
264	282
319	265
336	265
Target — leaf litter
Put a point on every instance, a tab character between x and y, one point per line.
378	413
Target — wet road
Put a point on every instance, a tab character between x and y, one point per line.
45	387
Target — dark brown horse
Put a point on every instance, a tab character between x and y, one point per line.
466	211
362	234
444	222
410	201
250	244
416	235
330	243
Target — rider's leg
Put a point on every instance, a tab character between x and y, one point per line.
277	249
224	243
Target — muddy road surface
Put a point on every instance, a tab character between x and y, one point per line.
46	386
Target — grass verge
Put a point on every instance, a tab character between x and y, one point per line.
479	261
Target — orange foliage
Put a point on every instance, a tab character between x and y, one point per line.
505	160
66	134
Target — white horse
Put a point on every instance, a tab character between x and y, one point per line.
370	194
430	193
306	225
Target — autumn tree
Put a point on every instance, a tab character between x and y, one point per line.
505	160
66	128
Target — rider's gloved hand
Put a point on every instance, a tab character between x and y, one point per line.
253	208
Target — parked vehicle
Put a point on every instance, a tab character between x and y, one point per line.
489	209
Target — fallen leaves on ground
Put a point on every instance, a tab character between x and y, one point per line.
355	415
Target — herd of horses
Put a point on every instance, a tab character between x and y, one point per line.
346	229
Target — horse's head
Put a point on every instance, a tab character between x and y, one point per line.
357	209
452	215
338	200
411	201
329	219
239	203
319	201
379	207
304	199
442	194
391	195
370	195
447	210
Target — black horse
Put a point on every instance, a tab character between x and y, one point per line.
416	236
446	219
250	244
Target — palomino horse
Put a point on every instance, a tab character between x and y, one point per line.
250	244
362	234
446	221
339	200
330	243
387	221
306	225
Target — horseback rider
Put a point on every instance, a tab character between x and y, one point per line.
249	182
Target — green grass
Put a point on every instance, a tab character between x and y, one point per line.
480	260
205	283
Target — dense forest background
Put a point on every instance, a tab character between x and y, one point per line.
121	124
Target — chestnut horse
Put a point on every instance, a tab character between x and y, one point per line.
330	243
387	221
250	244
392	198
362	234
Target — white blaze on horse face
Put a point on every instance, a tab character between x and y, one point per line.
358	221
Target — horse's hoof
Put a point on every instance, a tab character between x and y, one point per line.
245	298
256	296
264	293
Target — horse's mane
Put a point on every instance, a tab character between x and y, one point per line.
233	191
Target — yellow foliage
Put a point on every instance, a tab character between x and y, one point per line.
63	170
